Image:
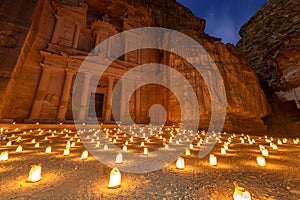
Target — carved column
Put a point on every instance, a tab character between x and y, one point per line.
76	36
109	99
169	98
55	36
41	92
65	95
122	100
138	105
85	96
97	41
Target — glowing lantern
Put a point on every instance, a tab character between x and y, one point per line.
265	152
275	147
284	140
78	140
126	143
105	147
279	142
142	144
115	178
180	163
48	149
98	144
240	193
33	141
84	155
146	151
35	173
8	143
46	138
212	160
191	146
68	145
114	141
37	145
226	147
119	158
125	148
166	146
223	151
19	149
261	147
66	152
187	152
261	161
4	156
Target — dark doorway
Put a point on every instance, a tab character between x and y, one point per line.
96	101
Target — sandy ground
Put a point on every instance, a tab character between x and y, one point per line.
69	177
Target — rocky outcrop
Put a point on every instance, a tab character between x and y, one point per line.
246	102
20	62
271	43
15	21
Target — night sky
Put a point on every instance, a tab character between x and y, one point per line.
224	17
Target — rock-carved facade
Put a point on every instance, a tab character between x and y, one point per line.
63	33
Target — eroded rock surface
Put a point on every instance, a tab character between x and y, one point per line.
271	43
63	32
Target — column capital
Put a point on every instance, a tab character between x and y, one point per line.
70	71
78	24
111	78
58	17
45	67
88	74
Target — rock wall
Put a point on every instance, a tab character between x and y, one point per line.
246	102
23	61
271	43
15	22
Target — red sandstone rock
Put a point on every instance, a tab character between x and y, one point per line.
39	86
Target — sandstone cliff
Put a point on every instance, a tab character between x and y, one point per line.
246	102
271	43
15	21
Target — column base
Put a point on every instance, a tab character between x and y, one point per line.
6	120
44	121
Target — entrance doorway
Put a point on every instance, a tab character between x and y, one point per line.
97	102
